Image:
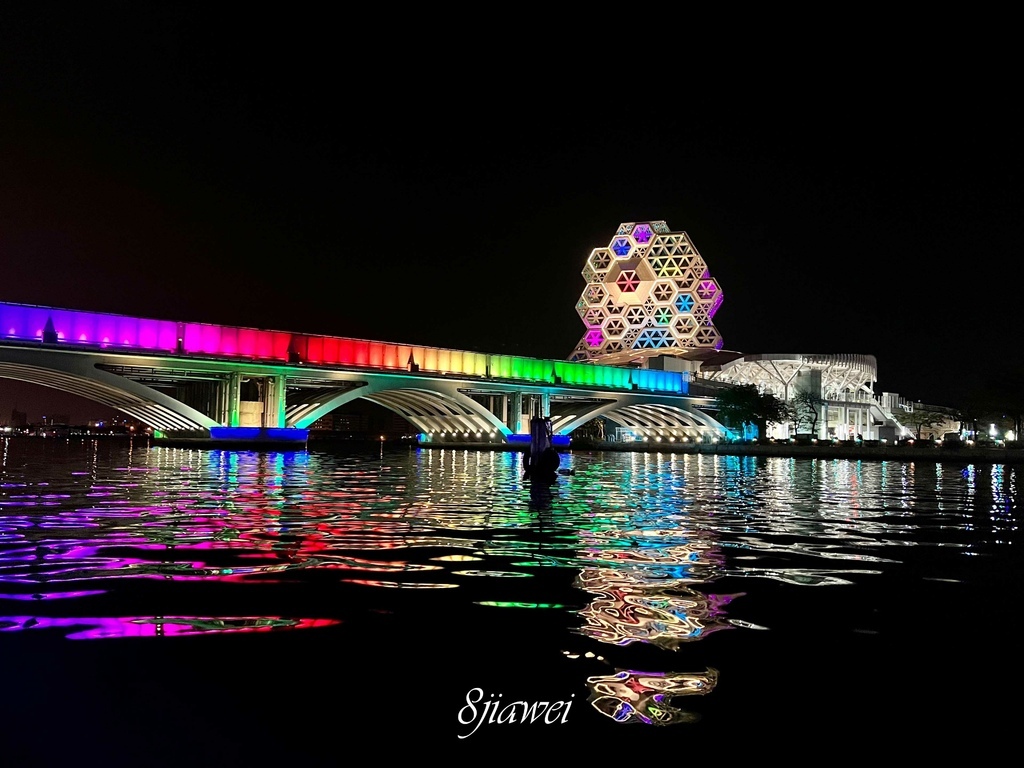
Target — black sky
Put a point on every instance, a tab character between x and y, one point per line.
414	185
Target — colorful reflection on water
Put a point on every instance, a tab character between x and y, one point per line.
155	626
643	697
652	554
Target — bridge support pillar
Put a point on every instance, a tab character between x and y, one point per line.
515	418
233	396
220	412
545	406
276	400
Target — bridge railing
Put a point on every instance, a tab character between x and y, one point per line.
95	330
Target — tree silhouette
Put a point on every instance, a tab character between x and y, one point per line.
921	418
744	404
807	407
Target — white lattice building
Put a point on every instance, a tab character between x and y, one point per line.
648	292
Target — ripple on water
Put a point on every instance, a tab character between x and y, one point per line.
633	550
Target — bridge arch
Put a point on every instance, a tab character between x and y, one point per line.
649	419
79	375
140	386
442	408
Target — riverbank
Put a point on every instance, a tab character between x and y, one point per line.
857	451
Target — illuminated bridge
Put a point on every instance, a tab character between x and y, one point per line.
211	383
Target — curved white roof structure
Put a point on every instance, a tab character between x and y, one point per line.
841	375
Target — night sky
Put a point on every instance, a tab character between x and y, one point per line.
400	184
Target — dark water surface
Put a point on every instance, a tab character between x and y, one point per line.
172	606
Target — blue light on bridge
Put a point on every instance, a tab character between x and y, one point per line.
273	434
558	441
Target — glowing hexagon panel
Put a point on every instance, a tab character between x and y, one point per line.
648	293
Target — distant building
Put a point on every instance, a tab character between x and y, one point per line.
19	418
649	302
323	424
362	420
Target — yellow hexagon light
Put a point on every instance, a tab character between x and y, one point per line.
648	293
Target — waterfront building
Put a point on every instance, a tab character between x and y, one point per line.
650	300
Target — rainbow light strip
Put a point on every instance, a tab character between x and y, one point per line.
124	334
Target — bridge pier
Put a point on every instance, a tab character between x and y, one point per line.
250	411
515	418
236	438
277	400
233	398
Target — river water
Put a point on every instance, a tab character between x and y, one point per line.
169	606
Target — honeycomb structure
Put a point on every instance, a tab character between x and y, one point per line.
648	293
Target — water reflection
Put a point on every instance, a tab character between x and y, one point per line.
631	553
624	612
155	626
645	697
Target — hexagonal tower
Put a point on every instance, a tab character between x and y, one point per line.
648	293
